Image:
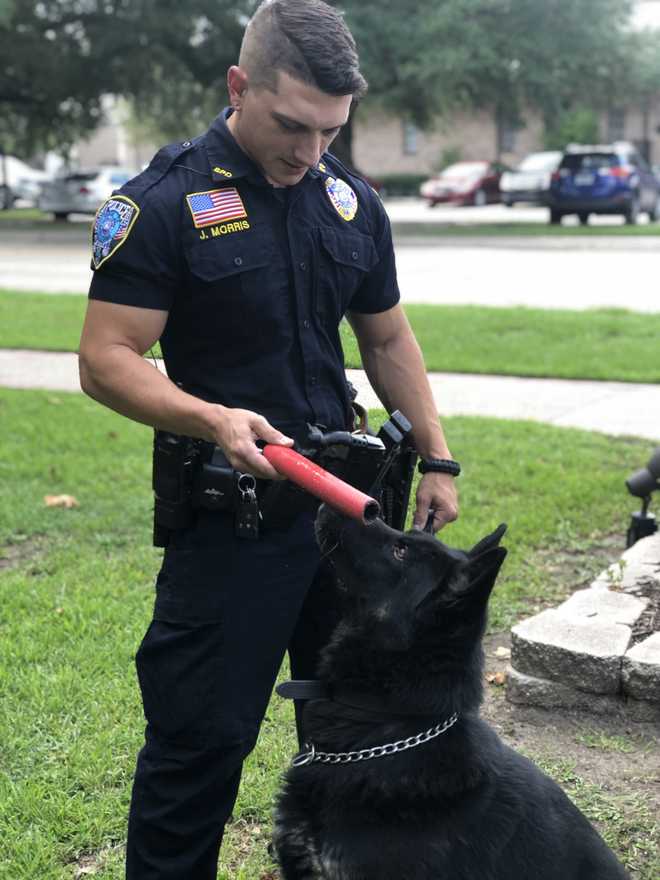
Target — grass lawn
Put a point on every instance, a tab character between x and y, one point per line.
599	344
76	597
33	218
24	215
515	230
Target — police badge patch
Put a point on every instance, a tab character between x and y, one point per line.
342	197
113	221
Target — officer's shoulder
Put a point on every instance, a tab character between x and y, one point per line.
161	178
357	181
371	217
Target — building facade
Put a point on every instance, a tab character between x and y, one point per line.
384	144
115	142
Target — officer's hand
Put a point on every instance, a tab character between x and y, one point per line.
237	434
436	492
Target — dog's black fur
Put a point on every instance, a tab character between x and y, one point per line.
460	807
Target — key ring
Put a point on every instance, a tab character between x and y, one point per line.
247	485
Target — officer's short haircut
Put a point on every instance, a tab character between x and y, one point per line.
307	39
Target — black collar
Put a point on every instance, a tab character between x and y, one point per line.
313	689
228	162
226	159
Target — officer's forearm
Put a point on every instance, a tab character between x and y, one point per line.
122	380
398	376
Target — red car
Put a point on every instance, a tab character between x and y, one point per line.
465	183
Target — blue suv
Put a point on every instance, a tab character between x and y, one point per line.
607	179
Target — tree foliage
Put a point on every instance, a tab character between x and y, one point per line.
639	71
580	126
61	56
423	58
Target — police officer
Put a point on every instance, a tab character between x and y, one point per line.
240	251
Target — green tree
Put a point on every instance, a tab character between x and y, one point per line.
425	58
639	75
60	57
578	126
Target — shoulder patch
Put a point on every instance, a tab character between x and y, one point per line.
342	197
215	206
112	224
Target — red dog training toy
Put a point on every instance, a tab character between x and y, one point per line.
338	494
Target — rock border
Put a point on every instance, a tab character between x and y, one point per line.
600	649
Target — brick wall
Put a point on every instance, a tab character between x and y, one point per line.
634	127
379	142
378	146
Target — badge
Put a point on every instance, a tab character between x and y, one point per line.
215	206
112	224
342	197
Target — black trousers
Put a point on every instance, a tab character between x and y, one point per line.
226	611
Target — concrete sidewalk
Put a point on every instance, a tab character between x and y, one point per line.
615	408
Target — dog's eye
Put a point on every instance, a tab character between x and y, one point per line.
399	552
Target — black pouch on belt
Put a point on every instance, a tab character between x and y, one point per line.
215	485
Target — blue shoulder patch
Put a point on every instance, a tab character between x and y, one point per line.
112	225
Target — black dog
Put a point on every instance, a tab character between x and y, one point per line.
401	779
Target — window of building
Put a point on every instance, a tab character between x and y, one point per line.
410	138
507	133
616	124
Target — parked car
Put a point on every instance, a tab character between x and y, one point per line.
604	179
82	192
530	181
22	183
465	183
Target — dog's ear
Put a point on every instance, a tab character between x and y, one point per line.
482	566
489	541
482	571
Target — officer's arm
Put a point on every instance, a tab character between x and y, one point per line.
113	371
394	365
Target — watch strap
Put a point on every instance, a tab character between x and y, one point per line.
439	466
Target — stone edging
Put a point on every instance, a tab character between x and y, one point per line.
599	650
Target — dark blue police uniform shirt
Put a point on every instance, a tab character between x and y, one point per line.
255	279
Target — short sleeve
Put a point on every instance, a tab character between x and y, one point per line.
380	290
139	264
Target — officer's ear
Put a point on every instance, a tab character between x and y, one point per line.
237	80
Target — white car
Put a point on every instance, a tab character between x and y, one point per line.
530	181
19	181
82	192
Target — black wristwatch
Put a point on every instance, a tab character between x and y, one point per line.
439	466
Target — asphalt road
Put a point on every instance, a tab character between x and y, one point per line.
548	272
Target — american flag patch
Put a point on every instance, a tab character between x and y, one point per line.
215	206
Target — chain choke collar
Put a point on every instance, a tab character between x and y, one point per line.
309	755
